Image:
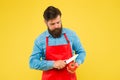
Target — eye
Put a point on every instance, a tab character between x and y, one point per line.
58	22
52	23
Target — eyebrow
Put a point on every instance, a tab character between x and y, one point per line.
56	22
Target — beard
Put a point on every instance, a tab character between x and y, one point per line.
56	33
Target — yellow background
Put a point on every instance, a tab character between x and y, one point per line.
96	22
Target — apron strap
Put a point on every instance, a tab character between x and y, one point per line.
46	41
66	38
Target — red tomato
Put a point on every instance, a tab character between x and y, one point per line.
72	66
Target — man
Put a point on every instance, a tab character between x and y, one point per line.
54	46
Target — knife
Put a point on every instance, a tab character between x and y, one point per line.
71	59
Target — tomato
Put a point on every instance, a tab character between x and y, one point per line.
72	66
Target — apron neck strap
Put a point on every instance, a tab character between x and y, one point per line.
66	38
47	41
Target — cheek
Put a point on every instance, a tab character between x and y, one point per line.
51	28
60	25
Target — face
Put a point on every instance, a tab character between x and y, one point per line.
55	26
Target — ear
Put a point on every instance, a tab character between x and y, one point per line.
45	22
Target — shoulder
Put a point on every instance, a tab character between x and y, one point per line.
41	37
69	32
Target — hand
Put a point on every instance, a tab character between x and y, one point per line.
59	64
72	67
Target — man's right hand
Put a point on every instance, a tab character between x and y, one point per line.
59	64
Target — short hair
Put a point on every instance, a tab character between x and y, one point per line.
51	12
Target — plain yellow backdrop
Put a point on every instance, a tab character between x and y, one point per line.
96	22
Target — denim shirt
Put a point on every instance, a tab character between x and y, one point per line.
37	58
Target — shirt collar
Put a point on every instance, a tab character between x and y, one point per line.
48	34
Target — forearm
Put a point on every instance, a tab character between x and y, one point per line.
81	57
40	64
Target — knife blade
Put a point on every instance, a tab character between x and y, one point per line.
71	59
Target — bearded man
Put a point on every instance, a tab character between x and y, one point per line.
54	46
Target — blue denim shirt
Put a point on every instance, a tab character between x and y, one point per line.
37	58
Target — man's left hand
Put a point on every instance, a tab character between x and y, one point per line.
72	67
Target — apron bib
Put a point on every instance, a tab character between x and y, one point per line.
58	52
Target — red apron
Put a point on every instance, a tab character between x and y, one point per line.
59	52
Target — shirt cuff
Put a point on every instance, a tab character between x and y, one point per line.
79	62
50	64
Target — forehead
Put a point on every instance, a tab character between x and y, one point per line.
57	19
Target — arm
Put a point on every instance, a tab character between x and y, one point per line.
77	47
78	50
36	61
